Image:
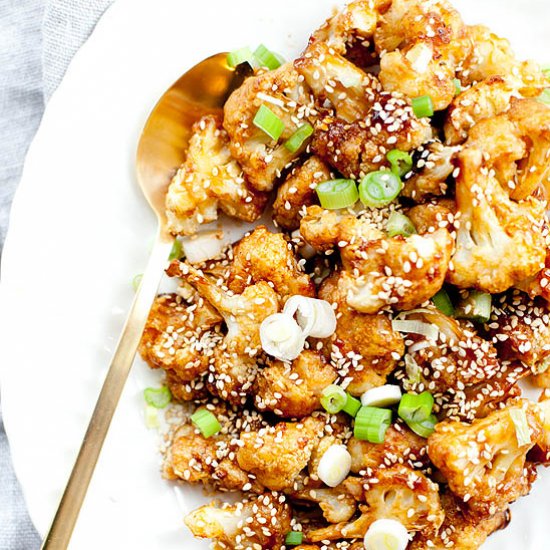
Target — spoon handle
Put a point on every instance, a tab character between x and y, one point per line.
63	523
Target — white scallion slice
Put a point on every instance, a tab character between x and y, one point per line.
386	534
519	418
281	337
415	327
152	417
203	246
383	396
334	465
315	317
304	248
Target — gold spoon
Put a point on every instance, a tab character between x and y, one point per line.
162	146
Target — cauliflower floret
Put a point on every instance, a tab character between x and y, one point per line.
485	99
540	454
283	92
364	347
266	256
539	284
396	492
433	215
276	455
261	522
179	337
461	529
233	366
432	165
483	462
500	242
209	180
191	390
520	329
293	390
298	191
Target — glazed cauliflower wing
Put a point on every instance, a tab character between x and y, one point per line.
209	180
298	192
293	390
483	462
276	455
265	256
538	284
180	337
261	523
263	159
500	242
433	215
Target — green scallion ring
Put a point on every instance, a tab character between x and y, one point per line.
336	194
206	422
267	121
399	224
176	252
379	188
476	307
352	405
294	538
267	58
424	428
401	162
422	106
415	407
458	86
136	281
544	96
239	56
157	397
371	424
298	138
333	399
442	302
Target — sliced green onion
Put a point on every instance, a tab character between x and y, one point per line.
544	96
399	224
176	252
293	538
379	188
352	405
546	72
424	428
267	121
298	138
152	417
334	194
136	281
371	424
458	86
401	162
476	307
239	56
442	302
267	58
423	106
519	418
415	408
206	422
333	398
157	397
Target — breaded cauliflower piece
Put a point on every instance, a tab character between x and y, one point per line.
500	242
540	454
520	329
261	522
293	390
461	529
398	493
210	180
233	367
483	462
276	455
364	346
265	256
179	337
186	391
539	284
433	215
298	192
283	92
432	165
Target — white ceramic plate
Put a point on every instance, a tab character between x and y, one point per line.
80	231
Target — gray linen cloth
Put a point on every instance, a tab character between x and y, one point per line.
37	41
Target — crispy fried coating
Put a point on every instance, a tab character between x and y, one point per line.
276	455
298	191
539	284
433	215
262	158
293	390
179	337
540	454
265	256
210	180
483	462
246	524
